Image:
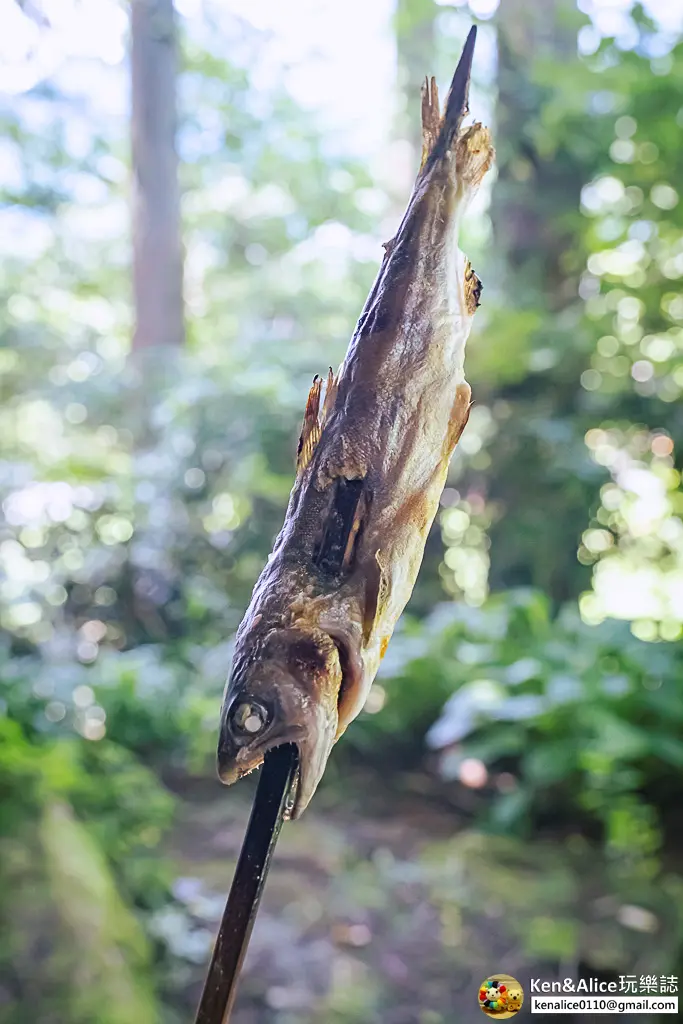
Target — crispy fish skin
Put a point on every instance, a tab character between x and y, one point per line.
376	443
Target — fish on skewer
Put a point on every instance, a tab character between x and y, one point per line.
373	456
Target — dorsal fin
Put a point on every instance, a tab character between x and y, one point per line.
321	399
310	429
331	387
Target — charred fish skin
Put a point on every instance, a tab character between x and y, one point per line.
375	447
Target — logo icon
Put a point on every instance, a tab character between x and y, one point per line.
501	996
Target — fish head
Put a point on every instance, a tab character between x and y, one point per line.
283	689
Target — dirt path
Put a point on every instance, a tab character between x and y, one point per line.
382	910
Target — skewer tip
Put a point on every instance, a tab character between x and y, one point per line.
457	101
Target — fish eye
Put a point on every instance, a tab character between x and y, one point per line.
248	719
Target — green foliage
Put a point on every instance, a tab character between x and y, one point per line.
69	941
569	719
104	947
141	499
538	896
30	774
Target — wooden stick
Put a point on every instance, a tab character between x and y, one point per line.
220	987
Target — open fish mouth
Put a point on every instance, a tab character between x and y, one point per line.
253	724
310	767
230	770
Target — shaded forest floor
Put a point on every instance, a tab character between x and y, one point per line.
390	908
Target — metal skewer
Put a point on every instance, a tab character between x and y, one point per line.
264	826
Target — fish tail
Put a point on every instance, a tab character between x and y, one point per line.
431	117
439	133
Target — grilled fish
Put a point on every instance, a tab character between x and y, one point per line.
375	446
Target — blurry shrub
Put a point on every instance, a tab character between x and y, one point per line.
79	826
70	945
550	903
140	499
570	721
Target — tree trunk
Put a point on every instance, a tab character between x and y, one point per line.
535	219
416	52
534	189
157	250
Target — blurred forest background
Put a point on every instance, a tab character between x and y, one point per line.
511	797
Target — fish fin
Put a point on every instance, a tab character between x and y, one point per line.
459	415
431	126
431	117
331	387
473	289
457	104
310	430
